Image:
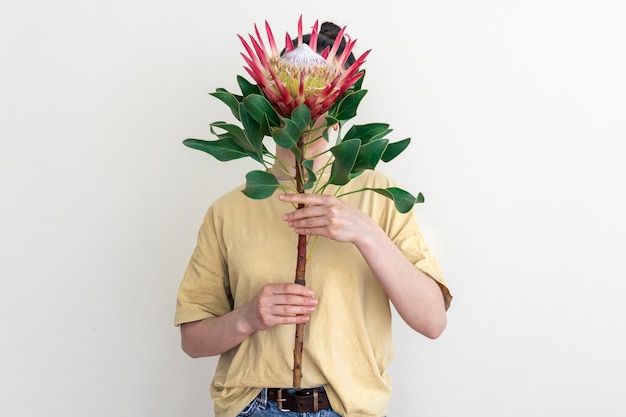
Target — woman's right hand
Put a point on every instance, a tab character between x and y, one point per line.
276	304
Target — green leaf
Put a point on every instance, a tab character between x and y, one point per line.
358	85
247	87
239	136
367	132
252	128
260	184
236	133
403	200
229	99
348	105
261	109
370	154
223	90
345	156
222	149
301	116
331	121
311	177
287	137
394	149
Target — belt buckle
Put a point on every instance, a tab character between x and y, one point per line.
280	400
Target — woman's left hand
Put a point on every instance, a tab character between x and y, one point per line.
328	216
416	296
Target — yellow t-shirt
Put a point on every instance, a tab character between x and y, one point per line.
244	244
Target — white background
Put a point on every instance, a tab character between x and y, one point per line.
516	110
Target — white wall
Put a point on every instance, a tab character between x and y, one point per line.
516	110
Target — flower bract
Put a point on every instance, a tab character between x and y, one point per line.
301	75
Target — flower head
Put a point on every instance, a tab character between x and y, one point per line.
301	75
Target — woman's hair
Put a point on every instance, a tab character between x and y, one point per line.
326	39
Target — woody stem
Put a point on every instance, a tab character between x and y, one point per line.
300	277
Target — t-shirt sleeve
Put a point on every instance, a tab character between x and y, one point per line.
204	290
409	239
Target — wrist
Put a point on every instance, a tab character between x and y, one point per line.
371	239
242	326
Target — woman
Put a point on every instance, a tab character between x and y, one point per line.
238	300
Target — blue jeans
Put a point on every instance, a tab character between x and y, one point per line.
261	407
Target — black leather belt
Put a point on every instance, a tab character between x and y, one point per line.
302	401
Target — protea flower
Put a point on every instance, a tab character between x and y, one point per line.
301	75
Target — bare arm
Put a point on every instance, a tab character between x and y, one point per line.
416	296
274	305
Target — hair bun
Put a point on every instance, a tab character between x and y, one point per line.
330	30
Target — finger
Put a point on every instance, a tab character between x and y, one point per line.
289	288
297	319
313	212
309	223
315	231
291	310
283	300
305	198
269	318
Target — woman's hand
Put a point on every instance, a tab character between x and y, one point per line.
276	304
328	216
416	296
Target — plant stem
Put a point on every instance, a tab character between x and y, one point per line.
299	339
300	277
